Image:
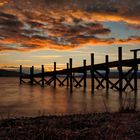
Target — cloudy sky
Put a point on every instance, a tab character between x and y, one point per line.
35	32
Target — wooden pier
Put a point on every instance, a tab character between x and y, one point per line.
99	72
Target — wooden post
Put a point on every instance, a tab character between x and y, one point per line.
135	68
71	80
54	75
68	75
43	80
31	75
85	74
20	74
107	72
120	68
135	71
92	73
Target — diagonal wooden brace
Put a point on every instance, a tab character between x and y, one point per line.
123	77
129	82
108	80
62	83
77	82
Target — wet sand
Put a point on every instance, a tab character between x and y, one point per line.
105	126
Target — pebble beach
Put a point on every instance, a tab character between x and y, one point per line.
103	126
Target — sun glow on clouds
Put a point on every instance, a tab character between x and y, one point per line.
4	54
33	25
3	2
23	60
30	26
48	56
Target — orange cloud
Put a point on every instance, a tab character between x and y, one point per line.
3	2
31	25
36	44
96	41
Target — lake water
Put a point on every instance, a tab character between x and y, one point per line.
25	100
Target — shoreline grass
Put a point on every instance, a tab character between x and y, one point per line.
108	126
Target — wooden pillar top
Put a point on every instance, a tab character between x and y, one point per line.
120	53
135	52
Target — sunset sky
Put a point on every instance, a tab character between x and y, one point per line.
36	32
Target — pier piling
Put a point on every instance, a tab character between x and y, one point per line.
92	73
126	79
135	68
67	74
120	68
20	74
107	72
85	74
31	75
43	77
71	76
54	76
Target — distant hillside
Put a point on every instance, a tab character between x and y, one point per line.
7	73
116	74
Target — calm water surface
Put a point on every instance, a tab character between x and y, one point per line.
26	100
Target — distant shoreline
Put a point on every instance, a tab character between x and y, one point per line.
112	74
88	77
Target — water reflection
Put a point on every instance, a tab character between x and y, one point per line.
128	102
26	100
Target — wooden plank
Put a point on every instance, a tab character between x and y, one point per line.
102	66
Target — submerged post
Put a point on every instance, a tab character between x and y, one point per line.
20	74
92	73
54	76
120	68
107	72
67	74
85	74
31	75
71	80
43	80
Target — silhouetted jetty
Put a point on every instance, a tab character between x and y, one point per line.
125	79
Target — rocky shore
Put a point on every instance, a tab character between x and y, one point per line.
103	126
